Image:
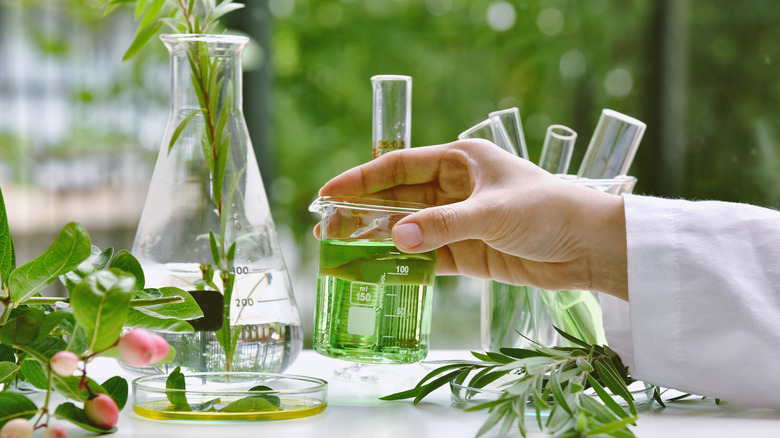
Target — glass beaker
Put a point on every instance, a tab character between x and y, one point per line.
373	301
206	226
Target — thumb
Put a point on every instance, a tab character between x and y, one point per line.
435	227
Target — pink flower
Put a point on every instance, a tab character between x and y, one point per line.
17	428
101	411
64	363
56	431
139	348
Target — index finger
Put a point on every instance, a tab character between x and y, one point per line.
418	165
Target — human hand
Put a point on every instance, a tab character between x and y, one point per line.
498	216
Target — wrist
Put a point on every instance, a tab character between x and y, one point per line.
607	255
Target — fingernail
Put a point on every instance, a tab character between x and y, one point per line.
408	235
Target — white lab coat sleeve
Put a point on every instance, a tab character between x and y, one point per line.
704	298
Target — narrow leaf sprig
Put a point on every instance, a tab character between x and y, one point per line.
570	391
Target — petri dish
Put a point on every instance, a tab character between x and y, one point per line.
234	396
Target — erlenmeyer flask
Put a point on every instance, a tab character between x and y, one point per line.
206	226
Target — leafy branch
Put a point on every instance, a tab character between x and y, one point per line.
573	387
212	84
106	293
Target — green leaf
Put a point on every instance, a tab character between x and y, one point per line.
557	392
128	263
152	13
70	412
8	370
33	372
13	405
427	389
176	384
571	338
612	427
188	309
137	319
214	248
71	247
7	253
606	398
612	380
180	128
251	404
117	388
23	327
7	354
51	321
141	38
100	304
274	400
71	387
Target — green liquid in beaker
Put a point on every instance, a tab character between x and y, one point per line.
373	302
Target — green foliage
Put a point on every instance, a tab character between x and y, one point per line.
557	381
102	295
260	402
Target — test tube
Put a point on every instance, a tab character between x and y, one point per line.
392	126
508	122
557	149
613	146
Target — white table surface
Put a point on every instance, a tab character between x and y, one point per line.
355	411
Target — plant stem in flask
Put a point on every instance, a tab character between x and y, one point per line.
374	302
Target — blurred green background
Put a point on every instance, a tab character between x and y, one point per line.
79	129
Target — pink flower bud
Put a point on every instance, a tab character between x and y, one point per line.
137	348
101	411
160	348
56	431
17	428
64	363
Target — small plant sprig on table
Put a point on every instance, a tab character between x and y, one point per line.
549	380
47	343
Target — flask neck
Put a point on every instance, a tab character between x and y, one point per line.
205	71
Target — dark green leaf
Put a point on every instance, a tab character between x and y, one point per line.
126	262
33	372
117	388
23	327
606	398
188	309
48	346
8	370
7	253
612	380
70	412
13	405
71	247
176	385
571	338
520	353
274	400
557	392
141	38
100	304
409	393
70	387
7	354
183	124
137	319
51	321
499	358
250	404
427	389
